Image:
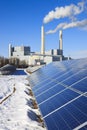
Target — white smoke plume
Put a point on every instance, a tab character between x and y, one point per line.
60	26
81	24
67	11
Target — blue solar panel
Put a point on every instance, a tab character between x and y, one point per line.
55	101
81	86
60	91
68	117
45	88
74	78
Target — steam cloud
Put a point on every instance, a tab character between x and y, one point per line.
67	11
80	24
70	12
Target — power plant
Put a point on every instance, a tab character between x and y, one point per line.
43	57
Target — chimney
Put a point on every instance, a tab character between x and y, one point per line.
42	41
60	40
10	48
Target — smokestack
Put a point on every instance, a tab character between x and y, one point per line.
10	46
42	41
60	40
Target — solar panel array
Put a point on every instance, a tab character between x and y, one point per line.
60	89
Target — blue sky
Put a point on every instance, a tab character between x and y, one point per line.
21	21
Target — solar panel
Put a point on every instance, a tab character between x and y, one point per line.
60	89
68	117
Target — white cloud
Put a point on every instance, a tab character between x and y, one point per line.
67	11
81	24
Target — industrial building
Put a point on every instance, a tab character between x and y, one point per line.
43	57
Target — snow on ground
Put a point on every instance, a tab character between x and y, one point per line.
16	112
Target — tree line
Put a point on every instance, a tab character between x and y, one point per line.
13	61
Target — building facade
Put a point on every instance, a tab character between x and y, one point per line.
32	58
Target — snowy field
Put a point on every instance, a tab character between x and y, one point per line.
16	111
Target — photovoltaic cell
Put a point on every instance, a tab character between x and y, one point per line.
75	78
60	89
68	117
45	89
81	86
55	101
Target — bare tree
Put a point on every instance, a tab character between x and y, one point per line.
3	61
14	61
